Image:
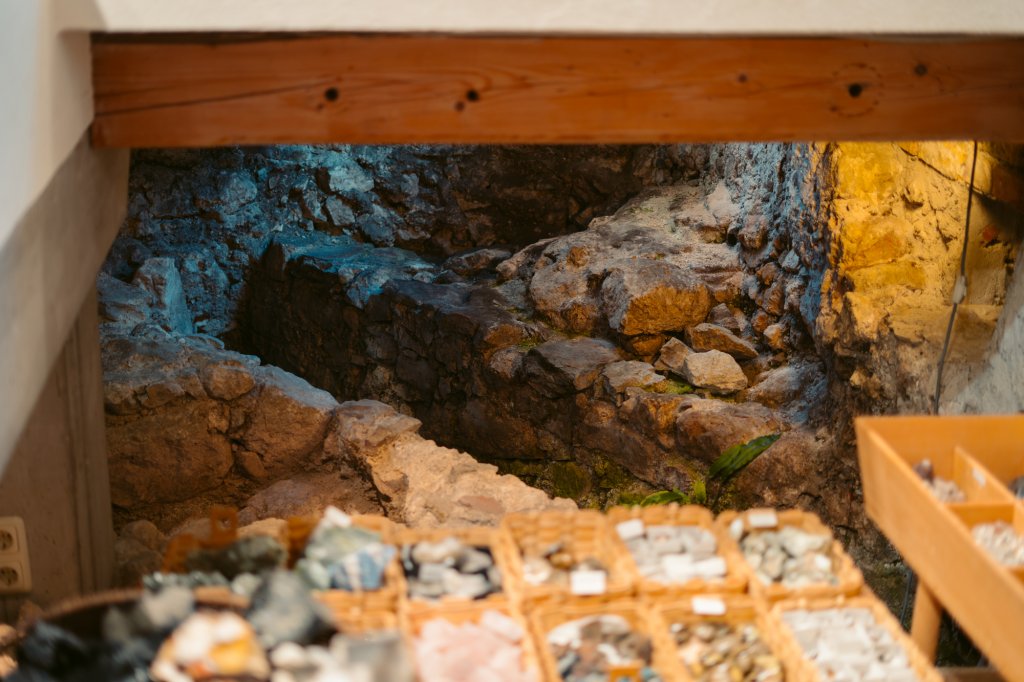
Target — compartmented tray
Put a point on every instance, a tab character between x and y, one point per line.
582	534
735	579
850	579
735	609
801	669
545	618
985	598
474	536
345	605
462	612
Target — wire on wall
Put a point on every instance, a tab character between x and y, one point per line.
960	288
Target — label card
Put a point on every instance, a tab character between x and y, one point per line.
629	530
585	583
708	606
762	518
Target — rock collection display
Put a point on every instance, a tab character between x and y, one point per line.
1002	541
449	568
849	644
672	554
589	649
340	555
943	489
718	651
789	556
494	652
368	657
555	566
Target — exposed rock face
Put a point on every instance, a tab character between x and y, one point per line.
809	283
638	272
580	415
191	424
214	211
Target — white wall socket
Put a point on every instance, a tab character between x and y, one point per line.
15	575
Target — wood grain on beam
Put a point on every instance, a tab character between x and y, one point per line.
205	90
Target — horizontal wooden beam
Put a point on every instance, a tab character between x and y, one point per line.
205	90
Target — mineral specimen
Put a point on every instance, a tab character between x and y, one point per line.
342	556
371	657
849	644
211	645
591	648
556	566
673	554
490	650
945	490
1002	541
713	651
448	567
282	610
789	556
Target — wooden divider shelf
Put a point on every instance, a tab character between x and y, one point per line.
955	573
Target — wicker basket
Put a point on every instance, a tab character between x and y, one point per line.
83	616
473	536
735	580
584	534
800	669
344	604
850	579
738	609
461	612
546	618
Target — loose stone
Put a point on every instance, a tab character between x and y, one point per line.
849	644
589	649
490	650
789	556
1001	541
556	566
713	651
449	568
673	554
945	490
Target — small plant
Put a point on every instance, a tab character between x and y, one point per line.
723	470
673	387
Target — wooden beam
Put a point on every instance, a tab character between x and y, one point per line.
205	90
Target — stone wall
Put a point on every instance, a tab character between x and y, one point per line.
550	362
215	210
191	424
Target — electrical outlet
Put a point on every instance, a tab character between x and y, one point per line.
15	575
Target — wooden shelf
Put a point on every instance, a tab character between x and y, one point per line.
984	453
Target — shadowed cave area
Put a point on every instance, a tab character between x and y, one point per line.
449	334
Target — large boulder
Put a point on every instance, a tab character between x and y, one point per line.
652	297
169	454
289	420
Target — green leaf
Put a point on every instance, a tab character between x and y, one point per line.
665	497
736	458
699	491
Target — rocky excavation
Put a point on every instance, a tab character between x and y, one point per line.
282	324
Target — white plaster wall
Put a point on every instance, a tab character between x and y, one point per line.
653	17
45	79
45	109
